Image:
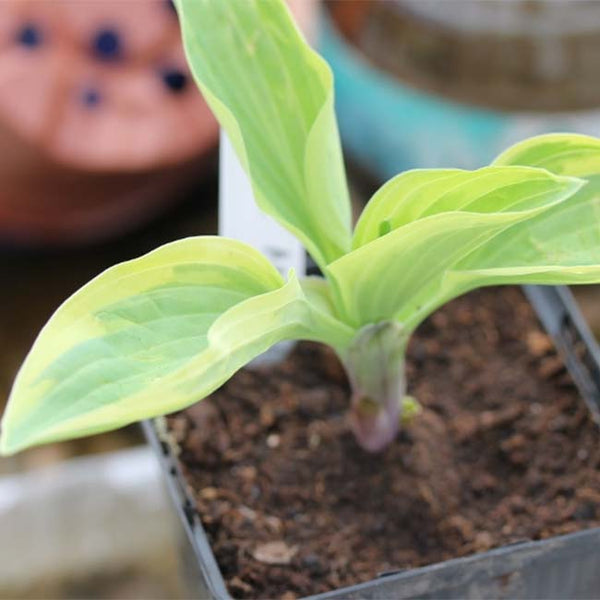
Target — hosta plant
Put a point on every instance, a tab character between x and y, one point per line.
158	333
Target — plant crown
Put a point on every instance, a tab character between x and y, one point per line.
158	333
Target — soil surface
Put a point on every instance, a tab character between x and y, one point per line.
503	451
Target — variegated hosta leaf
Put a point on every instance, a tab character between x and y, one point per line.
376	218
561	153
274	97
559	246
422	193
153	335
318	293
394	275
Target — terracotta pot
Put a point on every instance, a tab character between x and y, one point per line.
101	124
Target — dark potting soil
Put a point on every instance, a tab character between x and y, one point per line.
503	451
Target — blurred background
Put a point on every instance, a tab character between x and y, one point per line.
108	150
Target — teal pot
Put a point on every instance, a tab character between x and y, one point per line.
415	89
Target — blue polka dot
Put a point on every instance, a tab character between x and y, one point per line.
29	35
175	80
170	6
91	97
107	44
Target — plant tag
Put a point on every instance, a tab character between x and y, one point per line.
240	218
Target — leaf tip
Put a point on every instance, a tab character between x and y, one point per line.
13	438
8	445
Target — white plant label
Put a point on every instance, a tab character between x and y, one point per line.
241	219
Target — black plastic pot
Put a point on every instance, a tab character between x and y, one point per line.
561	567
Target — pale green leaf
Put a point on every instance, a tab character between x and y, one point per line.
422	193
375	219
274	97
561	153
154	335
558	246
318	292
395	274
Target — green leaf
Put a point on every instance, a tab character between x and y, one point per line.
421	193
154	335
318	292
274	97
430	230
558	246
561	153
378	216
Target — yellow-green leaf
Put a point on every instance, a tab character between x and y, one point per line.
558	246
154	335
396	274
561	153
274	96
421	193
